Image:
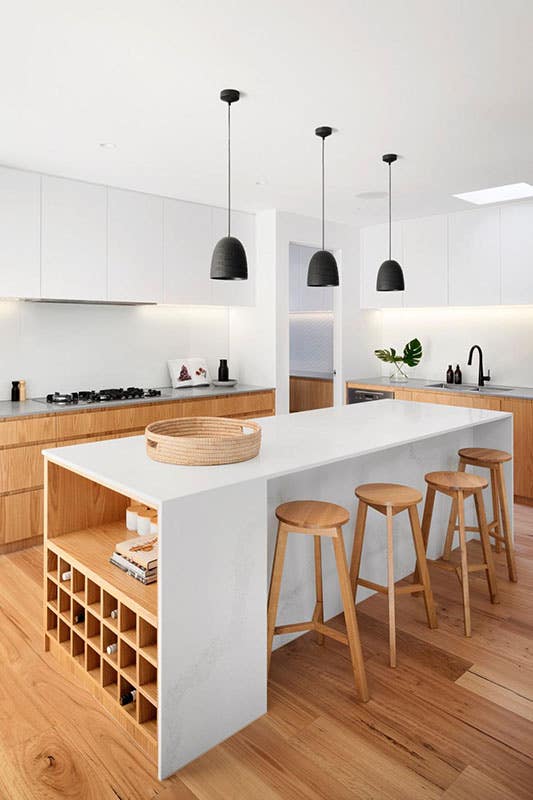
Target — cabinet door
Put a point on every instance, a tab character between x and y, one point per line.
301	296
235	293
135	247
522	411
374	251
20	238
474	257
516	247
187	251
74	240
425	261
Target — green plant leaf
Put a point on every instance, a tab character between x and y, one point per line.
412	353
384	355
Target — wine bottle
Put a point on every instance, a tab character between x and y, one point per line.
80	617
128	697
67	575
111	649
114	613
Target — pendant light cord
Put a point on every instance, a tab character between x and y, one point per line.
323	203
229	169
390	215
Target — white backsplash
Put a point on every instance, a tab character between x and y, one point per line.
505	334
311	342
65	347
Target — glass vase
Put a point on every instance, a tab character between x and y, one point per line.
398	375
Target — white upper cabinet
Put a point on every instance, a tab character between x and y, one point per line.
516	248
74	246
135	247
425	261
20	203
187	250
474	257
235	293
374	251
302	297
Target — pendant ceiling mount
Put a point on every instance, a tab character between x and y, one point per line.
323	270
228	262
390	274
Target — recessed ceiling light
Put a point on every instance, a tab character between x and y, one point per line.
497	194
108	145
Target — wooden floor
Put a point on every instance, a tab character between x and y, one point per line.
453	721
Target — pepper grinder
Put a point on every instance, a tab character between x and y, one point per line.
22	391
223	371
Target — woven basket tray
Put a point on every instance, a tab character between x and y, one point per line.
202	441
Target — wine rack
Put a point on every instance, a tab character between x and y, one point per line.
85	615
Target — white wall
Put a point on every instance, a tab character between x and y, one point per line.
504	333
66	347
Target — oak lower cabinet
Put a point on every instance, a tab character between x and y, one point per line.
522	411
309	393
23	439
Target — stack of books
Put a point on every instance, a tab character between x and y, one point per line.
138	558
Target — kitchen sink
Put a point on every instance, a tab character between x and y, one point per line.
468	387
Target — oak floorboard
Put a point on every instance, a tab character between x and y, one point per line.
452	721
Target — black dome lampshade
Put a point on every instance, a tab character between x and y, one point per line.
390	274
228	262
323	270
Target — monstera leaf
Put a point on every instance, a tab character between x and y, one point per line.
412	353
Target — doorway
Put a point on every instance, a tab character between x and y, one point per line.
311	336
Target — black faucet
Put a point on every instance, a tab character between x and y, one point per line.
480	378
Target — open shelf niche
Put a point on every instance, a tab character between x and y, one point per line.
95	615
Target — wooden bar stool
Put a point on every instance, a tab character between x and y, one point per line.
317	519
500	527
390	499
458	486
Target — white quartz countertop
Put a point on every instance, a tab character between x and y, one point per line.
291	443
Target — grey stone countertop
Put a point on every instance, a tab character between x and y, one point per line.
310	373
489	390
31	407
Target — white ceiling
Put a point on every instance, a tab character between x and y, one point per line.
445	83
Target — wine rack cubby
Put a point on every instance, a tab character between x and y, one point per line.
85	617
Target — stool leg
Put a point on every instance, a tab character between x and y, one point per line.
452	522
426	525
422	567
485	544
318	615
350	617
357	547
391	592
496	507
464	564
509	547
275	586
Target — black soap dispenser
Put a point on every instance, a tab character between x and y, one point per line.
449	374
458	375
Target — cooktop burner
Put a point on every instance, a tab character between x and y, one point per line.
102	396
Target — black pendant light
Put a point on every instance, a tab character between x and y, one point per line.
323	270
390	275
228	262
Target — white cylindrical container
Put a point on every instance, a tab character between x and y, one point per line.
144	519
131	517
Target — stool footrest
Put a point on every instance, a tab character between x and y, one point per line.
449	567
319	627
377	587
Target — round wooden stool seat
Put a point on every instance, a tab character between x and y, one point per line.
485	455
313	514
388	495
455	481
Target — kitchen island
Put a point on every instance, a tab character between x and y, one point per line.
194	645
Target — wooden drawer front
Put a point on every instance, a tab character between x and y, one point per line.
233	406
26	430
92	423
309	393
21	468
522	411
21	516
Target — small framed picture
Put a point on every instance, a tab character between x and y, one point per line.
188	372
